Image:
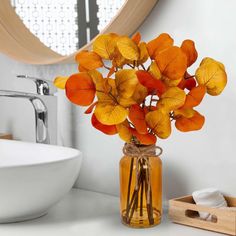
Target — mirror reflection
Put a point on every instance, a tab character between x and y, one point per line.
66	25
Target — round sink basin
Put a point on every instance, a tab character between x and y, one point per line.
33	177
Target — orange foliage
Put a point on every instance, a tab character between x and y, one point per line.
194	97
190	51
172	62
136	100
80	89
136	38
137	117
192	123
106	129
153	85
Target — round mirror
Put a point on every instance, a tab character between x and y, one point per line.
53	31
66	25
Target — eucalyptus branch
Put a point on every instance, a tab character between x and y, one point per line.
143	103
131	66
143	66
189	77
131	124
108	68
109	94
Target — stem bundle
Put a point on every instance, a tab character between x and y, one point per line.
142	191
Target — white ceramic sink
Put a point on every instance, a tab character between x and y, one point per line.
33	177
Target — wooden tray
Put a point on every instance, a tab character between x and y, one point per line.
5	136
184	211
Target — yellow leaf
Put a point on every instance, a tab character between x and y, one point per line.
110	113
140	93
172	99
172	62
60	81
105	87
128	49
188	113
118	59
104	45
170	82
124	132
159	122
112	44
97	78
126	82
154	70
126	102
211	73
143	53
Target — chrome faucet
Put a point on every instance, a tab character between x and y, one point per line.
43	87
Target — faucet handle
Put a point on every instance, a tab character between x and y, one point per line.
43	86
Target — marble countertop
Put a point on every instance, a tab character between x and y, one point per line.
88	213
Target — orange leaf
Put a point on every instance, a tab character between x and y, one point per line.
149	108
145	139
172	62
136	37
188	47
162	42
194	97
190	83
80	89
89	60
185	124
148	81
91	107
124	131
187	83
82	69
137	117
106	129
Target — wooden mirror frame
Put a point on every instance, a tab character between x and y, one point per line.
19	43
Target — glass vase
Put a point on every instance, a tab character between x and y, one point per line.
141	188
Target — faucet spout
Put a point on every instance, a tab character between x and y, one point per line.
41	113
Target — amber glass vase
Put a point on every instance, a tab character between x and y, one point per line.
140	188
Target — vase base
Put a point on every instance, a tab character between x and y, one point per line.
141	220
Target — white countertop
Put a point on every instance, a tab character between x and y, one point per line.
88	213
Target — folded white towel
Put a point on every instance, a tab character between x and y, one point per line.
210	197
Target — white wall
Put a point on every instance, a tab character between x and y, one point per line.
191	161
